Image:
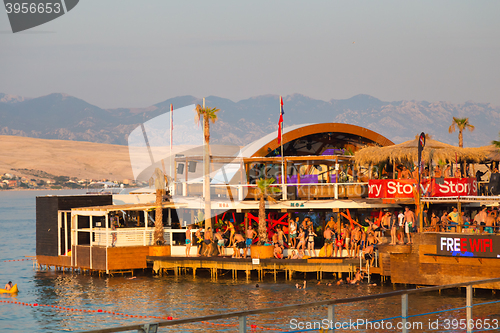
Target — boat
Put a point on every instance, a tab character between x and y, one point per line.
12	290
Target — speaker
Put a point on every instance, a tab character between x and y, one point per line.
192	166
494	184
180	168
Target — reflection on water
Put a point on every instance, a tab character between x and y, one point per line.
178	297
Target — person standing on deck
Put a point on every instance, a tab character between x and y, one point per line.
480	218
293	233
394	228
327	234
281	237
447	172
251	234
410	222
453	218
230	227
310	242
199	242
347	243
401	229
490	222
220	243
302	240
189	240
208	242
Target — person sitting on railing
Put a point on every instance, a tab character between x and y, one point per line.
278	252
293	255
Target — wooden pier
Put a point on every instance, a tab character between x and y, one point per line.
334	267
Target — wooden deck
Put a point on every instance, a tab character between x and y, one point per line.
218	265
416	264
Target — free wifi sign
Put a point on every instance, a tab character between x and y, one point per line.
26	14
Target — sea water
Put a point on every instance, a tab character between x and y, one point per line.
187	296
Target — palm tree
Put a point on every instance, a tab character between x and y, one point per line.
496	143
208	115
160	182
265	188
462	124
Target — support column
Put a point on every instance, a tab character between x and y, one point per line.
468	292
404	311
331	317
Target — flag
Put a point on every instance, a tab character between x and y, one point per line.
280	123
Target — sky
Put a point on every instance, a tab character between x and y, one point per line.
123	53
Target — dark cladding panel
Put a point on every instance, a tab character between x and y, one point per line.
77	201
46	217
46	226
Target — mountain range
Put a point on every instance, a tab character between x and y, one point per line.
64	117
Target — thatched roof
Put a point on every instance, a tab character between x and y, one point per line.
407	152
493	153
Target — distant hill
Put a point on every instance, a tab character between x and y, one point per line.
59	116
84	160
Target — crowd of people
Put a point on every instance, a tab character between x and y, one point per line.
341	239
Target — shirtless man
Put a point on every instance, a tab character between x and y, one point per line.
208	242
347	235
8	286
281	237
275	237
278	252
220	243
444	221
251	234
356	239
189	240
405	174
327	234
414	174
490	222
331	223
410	222
239	243
480	218
293	233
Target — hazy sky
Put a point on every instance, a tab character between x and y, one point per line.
123	53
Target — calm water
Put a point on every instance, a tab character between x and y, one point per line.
176	297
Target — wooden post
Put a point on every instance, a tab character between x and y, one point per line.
460	220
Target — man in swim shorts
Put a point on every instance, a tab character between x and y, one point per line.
220	242
239	243
189	240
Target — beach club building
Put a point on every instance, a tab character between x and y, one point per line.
326	175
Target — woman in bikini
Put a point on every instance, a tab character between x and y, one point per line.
302	240
310	242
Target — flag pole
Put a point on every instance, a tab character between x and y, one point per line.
283	173
171	137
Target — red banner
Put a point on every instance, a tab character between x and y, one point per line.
404	188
